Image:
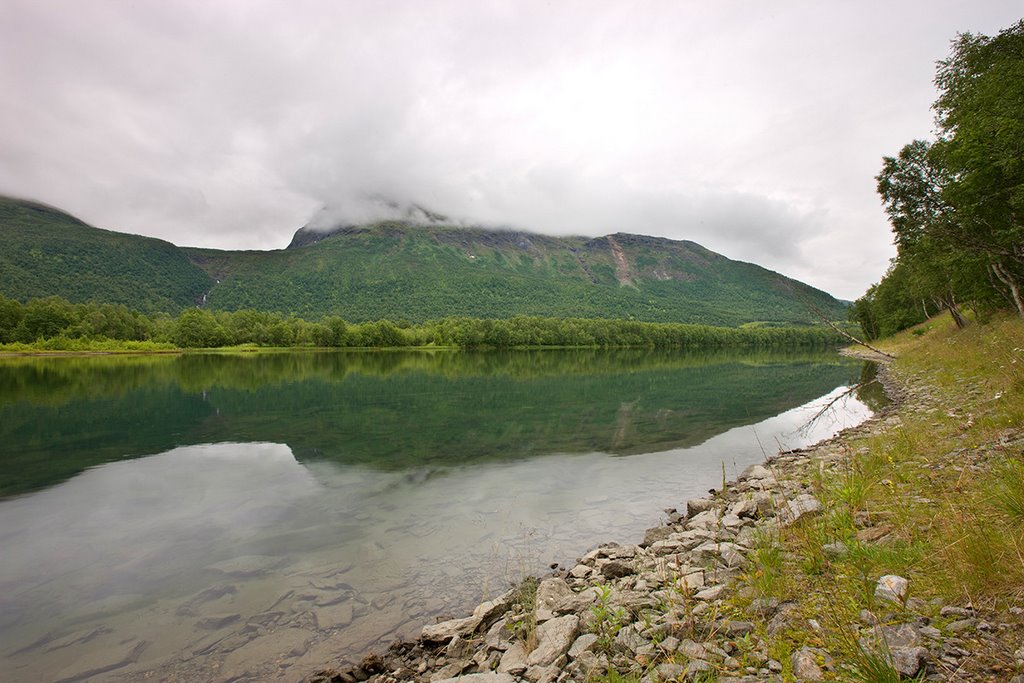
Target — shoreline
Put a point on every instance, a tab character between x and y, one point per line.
660	609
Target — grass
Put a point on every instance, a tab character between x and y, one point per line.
937	497
524	620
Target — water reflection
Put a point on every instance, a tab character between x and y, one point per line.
341	501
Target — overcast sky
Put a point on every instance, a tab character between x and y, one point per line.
754	128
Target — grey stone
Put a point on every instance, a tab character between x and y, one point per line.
459	648
692	650
486	677
892	588
630	639
746	508
699	505
554	638
712	593
581	571
214	622
801	506
738	629
835	549
951	611
805	665
696	666
446	630
584	643
488	611
615	569
669	672
961	625
709	519
758	472
655	534
666	547
514	659
551	594
908	660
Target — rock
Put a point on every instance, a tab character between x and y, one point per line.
708	519
666	547
488	611
698	505
908	660
514	659
738	629
805	665
892	588
745	509
758	473
801	506
835	549
554	638
728	554
334	615
961	625
487	677
102	661
712	593
655	534
582	644
581	571
670	672
629	638
695	667
446	630
282	643
615	569
459	648
215	622
551	594
951	611
692	650
731	521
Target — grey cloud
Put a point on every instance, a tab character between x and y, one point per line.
754	130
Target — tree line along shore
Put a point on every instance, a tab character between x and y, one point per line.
54	324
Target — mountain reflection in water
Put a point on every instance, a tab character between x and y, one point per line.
295	508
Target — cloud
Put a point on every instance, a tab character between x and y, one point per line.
754	130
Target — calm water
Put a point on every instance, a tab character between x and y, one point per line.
257	517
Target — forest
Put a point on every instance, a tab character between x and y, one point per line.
956	202
53	323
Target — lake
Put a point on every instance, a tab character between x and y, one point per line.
260	516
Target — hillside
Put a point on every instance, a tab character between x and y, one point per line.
400	271
44	251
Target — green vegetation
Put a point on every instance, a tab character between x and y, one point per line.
956	203
53	324
46	252
400	272
937	498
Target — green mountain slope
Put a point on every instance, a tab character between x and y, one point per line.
400	271
44	251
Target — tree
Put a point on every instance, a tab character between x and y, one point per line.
956	205
196	328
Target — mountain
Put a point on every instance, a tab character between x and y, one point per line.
44	251
411	270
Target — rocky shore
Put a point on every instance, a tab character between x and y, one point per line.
681	604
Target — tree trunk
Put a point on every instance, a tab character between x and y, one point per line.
949	303
1007	278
